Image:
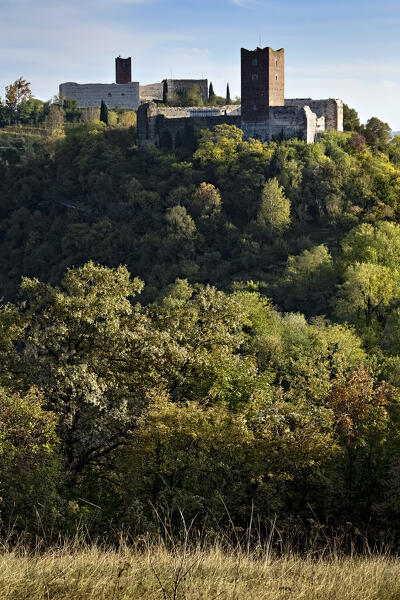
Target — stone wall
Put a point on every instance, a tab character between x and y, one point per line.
283	123
331	109
169	127
162	126
91	94
174	88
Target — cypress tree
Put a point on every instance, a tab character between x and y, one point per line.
228	94
211	93
104	112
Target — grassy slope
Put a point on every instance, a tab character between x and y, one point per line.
155	573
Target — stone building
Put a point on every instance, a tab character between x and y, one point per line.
172	90
122	94
264	113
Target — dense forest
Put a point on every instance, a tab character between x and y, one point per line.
215	330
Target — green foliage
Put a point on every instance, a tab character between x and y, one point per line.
309	281
274	211
74	345
201	458
351	121
29	461
377	133
196	393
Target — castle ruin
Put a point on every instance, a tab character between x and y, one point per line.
173	90
264	113
122	94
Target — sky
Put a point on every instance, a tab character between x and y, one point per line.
347	49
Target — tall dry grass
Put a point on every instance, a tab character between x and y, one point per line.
159	571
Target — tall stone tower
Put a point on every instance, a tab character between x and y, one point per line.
263	82
123	72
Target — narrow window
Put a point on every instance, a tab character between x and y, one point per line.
254	106
254	77
276	77
276	62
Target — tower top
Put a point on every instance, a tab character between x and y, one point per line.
123	70
263	82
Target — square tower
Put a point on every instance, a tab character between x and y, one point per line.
263	82
123	70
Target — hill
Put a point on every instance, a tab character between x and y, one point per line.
242	367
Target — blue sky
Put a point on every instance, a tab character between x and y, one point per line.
344	49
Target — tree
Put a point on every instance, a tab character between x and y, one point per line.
228	94
32	110
357	142
274	210
211	93
83	344
302	359
367	292
309	281
54	119
361	418
378	244
206	201
351	121
104	112
377	133
17	92
29	459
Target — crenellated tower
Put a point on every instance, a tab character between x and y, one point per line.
123	70
263	82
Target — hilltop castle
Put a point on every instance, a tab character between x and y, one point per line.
264	113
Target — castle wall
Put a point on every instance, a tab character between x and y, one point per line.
174	88
283	123
163	126
331	109
91	94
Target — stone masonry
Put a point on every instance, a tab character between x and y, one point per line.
123	70
115	95
122	94
171	90
264	113
167	127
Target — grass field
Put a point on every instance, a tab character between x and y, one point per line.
153	572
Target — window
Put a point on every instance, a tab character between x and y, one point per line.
254	62
276	62
122	94
276	77
109	94
254	77
254	106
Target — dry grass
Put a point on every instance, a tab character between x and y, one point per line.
154	572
